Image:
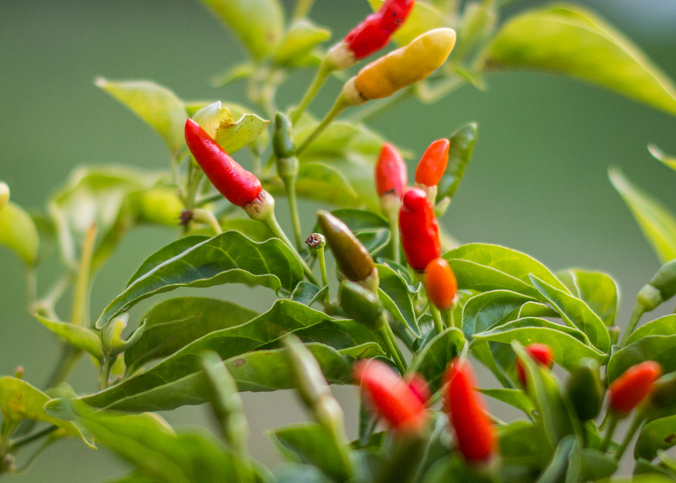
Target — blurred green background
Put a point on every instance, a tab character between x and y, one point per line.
537	183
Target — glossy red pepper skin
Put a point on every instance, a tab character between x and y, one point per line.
541	353
419	229
440	284
391	396
237	184
375	32
627	391
390	173
433	163
474	431
419	386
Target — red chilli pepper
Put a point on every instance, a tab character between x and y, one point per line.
237	184
390	172
419	386
541	353
419	229
375	31
433	163
391	396
440	284
628	390
467	413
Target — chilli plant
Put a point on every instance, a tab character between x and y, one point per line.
405	314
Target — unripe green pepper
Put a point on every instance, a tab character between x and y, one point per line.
663	394
282	139
660	289
585	389
352	257
361	304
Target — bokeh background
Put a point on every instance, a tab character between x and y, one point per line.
537	183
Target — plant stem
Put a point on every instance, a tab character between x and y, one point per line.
396	239
80	310
104	375
392	347
338	107
322	267
23	441
436	316
290	185
636	315
375	109
273	226
447	317
325	70
302	8
612	424
636	423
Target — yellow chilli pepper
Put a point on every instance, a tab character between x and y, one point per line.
4	194
402	67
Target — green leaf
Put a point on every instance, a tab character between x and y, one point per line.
659	434
360	220
560	465
513	397
485	310
226	258
294	473
233	74
155	104
657	222
523	443
595	464
598	290
658	348
662	156
178	380
80	337
259	24
459	156
175	323
19	400
567	344
307	293
396	298
312	444
572	41
232	135
301	38
662	326
322	182
374	240
474	276
575	313
423	18
253	229
432	360
19	233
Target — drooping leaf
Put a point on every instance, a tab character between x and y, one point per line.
301	37
659	434
657	222
423	18
662	156
175	323
165	253
155	104
432	360
575	313
226	258
396	298
567	344
658	348
19	401
19	233
80	337
259	24
313	444
232	130
459	156
598	290
574	42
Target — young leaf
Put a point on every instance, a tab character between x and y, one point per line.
175	323
19	400
259	24
19	233
80	337
178	380
459	156
567	344
156	105
598	290
423	18
432	360
571	41
663	326
226	258
662	156
657	222
659	434
396	298
575	313
300	39
232	130
312	444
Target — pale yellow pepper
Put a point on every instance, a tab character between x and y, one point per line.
402	67
4	194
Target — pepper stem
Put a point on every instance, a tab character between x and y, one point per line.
290	185
436	316
322	266
391	345
273	226
636	315
447	317
338	107
612	424
325	70
635	424
302	8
